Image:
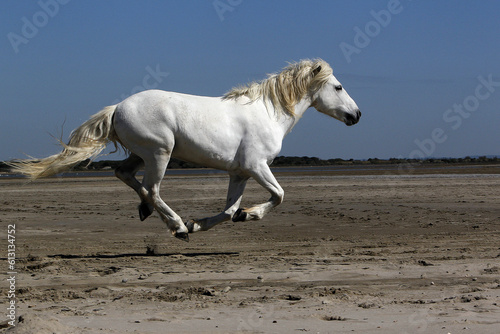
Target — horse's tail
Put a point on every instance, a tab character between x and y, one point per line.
86	142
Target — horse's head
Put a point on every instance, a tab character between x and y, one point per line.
332	99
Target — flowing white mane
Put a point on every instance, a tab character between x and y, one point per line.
285	89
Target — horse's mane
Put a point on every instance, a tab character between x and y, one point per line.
285	89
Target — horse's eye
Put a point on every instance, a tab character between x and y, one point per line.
338	88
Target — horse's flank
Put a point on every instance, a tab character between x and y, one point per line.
285	89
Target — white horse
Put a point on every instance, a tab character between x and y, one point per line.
241	133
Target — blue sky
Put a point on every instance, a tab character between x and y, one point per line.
425	74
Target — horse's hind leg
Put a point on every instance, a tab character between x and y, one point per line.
126	172
150	190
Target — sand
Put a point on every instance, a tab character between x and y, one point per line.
342	254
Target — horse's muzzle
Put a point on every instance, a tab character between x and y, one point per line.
351	119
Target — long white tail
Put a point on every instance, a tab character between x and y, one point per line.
85	142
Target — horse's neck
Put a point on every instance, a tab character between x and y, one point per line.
300	109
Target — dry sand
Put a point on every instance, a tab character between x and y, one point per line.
342	254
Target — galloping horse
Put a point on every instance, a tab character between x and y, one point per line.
241	133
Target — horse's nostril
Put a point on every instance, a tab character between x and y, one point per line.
351	119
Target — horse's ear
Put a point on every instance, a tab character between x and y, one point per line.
316	70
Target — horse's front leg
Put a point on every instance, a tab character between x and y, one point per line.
263	175
237	185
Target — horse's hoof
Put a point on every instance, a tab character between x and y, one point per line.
144	211
182	235
192	226
239	216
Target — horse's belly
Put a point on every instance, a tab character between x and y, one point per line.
207	153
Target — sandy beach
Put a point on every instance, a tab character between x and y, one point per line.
416	253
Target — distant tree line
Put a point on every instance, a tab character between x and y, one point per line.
283	161
313	161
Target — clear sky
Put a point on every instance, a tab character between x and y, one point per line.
425	74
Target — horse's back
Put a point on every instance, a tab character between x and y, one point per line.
204	130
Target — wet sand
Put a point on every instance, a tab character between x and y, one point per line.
416	253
